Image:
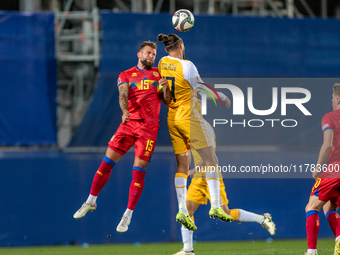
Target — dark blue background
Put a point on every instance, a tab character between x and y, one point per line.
42	190
28	79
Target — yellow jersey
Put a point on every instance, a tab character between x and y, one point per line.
183	79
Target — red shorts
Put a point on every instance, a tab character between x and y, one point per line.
135	132
327	189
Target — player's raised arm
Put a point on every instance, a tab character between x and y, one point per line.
123	101
193	77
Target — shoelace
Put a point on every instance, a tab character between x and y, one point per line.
83	207
125	220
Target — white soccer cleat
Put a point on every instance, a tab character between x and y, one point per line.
313	253
123	225
181	252
268	223
84	209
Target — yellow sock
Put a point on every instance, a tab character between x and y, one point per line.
181	175
235	213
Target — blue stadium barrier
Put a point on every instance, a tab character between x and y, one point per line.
220	46
28	79
41	190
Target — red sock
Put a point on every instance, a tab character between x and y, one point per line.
312	228
136	187
334	222
102	176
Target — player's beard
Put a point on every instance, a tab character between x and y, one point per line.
147	64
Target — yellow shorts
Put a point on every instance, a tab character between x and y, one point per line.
186	133
198	191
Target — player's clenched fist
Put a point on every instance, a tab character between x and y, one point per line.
166	91
164	83
125	117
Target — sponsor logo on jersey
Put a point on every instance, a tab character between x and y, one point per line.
170	67
134	74
146	153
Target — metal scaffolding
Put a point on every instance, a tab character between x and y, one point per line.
274	8
77	52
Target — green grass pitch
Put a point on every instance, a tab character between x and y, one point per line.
287	247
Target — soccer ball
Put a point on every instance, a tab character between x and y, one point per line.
183	20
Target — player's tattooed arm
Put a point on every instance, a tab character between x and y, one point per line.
123	101
166	94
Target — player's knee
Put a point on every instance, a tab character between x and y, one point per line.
140	163
329	207
312	207
113	155
309	207
306	208
183	168
325	211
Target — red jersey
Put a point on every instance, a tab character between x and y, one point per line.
144	98
331	120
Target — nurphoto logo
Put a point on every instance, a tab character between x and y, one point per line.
238	103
